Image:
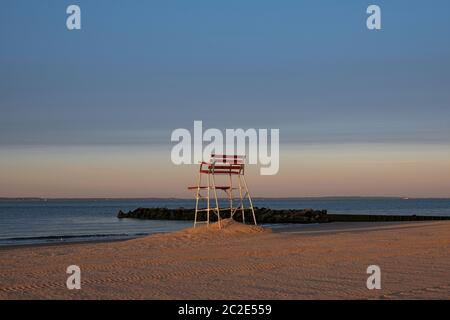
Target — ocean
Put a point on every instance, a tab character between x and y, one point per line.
59	221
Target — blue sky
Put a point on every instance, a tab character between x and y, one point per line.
139	69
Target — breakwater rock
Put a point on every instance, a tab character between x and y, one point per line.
263	215
266	215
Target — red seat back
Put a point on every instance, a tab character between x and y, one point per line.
226	164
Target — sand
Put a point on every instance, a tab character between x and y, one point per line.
242	262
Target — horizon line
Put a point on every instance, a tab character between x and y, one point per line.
183	198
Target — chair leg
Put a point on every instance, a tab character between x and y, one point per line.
207	201
197	197
241	199
250	200
217	201
231	197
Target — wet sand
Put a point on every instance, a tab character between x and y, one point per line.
326	261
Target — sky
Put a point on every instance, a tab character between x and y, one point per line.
89	113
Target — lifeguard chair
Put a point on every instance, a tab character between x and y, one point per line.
231	166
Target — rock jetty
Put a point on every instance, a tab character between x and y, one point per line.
266	215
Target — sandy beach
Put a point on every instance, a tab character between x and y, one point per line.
326	261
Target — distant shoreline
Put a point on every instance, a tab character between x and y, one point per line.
5	199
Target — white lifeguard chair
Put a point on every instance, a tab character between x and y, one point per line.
222	165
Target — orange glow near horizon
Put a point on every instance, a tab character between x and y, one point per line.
144	172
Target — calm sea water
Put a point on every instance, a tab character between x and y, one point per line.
54	221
